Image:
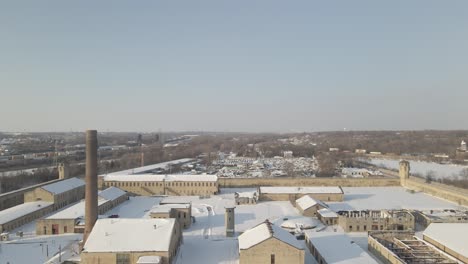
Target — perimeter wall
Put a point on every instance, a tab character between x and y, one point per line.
288	181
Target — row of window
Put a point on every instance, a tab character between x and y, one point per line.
160	184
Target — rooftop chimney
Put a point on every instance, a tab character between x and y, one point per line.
91	196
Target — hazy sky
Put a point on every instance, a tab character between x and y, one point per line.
233	65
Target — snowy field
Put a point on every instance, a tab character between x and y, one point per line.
205	241
422	168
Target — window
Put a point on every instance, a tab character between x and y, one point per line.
272	257
365	228
357	228
350	227
122	258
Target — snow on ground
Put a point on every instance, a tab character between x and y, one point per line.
362	198
36	250
422	167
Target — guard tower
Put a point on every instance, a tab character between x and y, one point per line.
404	171
229	221
64	171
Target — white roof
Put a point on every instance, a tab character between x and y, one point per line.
265	231
63	186
111	193
130	235
306	202
150	168
165	208
250	195
149	260
303	190
160	177
77	210
15	212
328	244
325	212
176	200
304	222
451	235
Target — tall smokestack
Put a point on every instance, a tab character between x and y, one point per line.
91	196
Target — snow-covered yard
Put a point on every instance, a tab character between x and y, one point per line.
422	168
205	241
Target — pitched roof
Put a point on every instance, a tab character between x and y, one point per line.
15	212
325	212
264	231
63	186
111	193
306	202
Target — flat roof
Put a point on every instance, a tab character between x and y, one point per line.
161	177
451	235
63	186
302	190
15	212
165	208
264	231
130	235
338	248
152	167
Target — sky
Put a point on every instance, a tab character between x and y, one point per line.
250	66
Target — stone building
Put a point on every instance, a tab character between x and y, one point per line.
181	212
369	220
246	197
156	184
427	217
19	215
323	193
267	243
132	241
332	247
61	193
327	216
71	219
403	247
309	206
13	198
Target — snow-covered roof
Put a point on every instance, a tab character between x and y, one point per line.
111	193
306	202
451	235
149	260
130	235
250	195
77	210
304	222
325	212
328	244
176	200
265	231
63	186
160	177
15	212
303	190
150	168
166	208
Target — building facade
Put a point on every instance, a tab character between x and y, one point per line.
371	220
110	242
326	194
61	193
